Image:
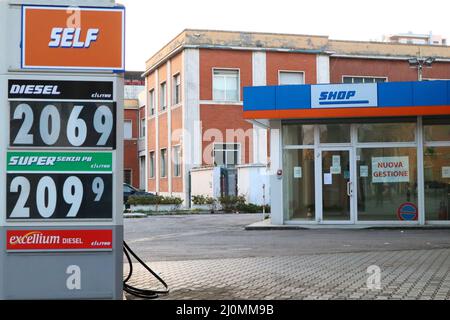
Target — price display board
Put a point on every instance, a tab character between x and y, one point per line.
61	142
59	186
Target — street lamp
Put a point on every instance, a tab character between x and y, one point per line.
420	63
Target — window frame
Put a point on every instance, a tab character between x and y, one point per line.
238	70
142	128
163	163
163	96
176	88
126	121
176	150
152	165
363	77
225	151
152	101
291	71
131	176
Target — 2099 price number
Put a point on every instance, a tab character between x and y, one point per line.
59	196
68	125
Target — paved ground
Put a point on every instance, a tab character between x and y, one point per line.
212	257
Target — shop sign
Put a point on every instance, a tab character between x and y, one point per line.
390	170
57	37
344	96
59	240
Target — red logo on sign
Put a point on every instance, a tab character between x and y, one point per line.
36	240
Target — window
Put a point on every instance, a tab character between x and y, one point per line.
387	179
176	161
437	169
163	163
299	184
437	183
128	130
348	79
387	132
163	96
127	176
142	128
298	135
152	165
226	154
128	189
226	85
151	99
291	78
437	132
142	171
177	89
335	133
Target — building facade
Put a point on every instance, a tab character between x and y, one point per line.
195	92
414	38
134	130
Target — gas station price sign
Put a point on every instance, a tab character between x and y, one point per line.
62	114
73	125
59	186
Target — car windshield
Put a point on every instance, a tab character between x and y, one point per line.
128	188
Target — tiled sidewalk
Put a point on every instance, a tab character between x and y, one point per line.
420	274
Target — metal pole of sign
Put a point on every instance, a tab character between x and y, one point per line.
264	202
61	150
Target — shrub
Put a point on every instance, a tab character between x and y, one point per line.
198	200
252	208
154	200
203	200
231	203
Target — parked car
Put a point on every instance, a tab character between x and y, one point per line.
132	191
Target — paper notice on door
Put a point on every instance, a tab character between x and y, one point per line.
327	179
336	161
336	170
298	172
446	172
364	171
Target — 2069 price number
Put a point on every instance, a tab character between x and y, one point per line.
59	196
68	125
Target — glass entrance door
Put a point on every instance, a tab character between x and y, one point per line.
337	186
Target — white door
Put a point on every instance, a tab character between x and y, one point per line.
335	186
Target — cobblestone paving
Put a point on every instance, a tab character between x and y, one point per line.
408	275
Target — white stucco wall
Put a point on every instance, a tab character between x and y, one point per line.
251	180
202	182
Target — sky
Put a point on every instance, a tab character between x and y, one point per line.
151	24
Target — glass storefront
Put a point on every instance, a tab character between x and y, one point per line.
437	169
386	132
367	172
437	183
387	179
299	196
334	133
